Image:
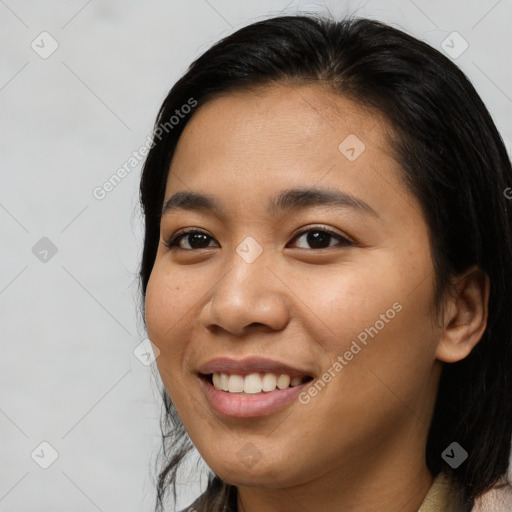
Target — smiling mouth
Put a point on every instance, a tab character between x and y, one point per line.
253	383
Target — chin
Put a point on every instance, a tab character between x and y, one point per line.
260	474
265	477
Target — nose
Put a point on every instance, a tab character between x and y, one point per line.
249	295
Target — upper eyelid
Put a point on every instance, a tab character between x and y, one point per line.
326	229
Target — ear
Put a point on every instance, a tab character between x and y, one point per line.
465	316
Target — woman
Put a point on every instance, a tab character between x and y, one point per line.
327	253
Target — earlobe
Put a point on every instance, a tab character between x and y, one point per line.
465	317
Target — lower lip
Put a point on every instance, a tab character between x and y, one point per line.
248	405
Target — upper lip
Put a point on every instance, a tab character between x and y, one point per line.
250	365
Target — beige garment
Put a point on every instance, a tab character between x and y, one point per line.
441	497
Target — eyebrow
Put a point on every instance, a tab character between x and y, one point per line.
287	200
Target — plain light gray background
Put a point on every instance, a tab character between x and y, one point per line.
69	120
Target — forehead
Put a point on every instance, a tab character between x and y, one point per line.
254	142
283	115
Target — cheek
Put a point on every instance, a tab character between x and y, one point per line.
352	298
168	299
379	316
386	373
164	307
155	306
173	300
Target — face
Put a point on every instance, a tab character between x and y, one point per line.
309	259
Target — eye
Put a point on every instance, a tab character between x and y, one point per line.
320	238
194	238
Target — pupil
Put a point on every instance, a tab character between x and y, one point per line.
318	238
201	238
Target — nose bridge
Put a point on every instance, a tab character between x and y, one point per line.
248	293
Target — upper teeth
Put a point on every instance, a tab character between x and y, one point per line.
253	383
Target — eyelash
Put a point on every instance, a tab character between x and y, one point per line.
174	239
